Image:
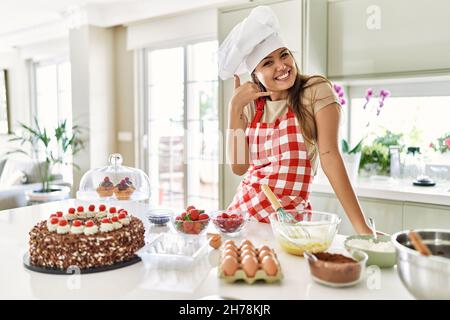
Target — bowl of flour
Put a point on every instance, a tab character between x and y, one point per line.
381	251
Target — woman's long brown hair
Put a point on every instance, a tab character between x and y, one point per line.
295	95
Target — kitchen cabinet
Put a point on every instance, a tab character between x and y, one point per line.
426	216
388	215
384	37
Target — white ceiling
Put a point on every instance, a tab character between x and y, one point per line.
21	17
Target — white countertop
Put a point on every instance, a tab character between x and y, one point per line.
386	188
135	282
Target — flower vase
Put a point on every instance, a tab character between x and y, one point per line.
352	161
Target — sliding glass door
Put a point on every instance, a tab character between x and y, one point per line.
182	125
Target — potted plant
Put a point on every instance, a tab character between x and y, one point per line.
352	155
375	158
49	151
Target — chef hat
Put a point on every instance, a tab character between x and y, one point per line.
249	42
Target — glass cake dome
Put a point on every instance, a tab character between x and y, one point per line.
114	182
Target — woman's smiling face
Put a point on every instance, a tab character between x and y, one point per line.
277	71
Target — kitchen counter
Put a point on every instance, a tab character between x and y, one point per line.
387	188
135	282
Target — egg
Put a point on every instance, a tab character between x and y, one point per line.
228	252
269	266
244	242
263	254
264	248
230	242
247	252
248	247
249	265
230	245
215	242
229	266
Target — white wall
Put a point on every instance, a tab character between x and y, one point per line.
165	31
124	89
93	94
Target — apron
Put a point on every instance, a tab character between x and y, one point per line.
279	159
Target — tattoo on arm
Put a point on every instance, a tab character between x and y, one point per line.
324	153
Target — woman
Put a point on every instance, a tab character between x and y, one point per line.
288	119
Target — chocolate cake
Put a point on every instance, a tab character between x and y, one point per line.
95	238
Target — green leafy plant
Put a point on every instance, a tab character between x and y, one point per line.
375	154
346	147
378	152
41	146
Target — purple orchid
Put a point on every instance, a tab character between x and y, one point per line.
369	94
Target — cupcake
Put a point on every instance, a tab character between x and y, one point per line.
106	188
128	182
123	190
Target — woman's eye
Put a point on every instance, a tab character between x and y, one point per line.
268	63
284	54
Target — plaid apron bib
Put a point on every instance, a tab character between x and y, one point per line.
279	159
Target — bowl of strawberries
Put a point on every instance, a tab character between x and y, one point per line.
192	221
229	222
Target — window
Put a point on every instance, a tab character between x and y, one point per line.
4	120
419	111
183	127
53	99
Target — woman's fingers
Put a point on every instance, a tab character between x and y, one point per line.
237	81
263	94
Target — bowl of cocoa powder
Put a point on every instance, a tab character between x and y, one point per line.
337	270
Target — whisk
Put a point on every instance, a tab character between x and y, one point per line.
292	230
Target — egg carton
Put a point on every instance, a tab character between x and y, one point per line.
260	275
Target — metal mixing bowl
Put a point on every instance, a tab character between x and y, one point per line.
425	277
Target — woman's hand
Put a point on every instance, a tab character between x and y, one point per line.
367	230
245	93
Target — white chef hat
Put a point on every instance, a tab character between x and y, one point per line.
249	42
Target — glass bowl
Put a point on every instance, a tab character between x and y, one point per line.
337	274
381	251
190	227
159	216
304	230
229	222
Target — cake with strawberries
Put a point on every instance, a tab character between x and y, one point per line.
94	238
